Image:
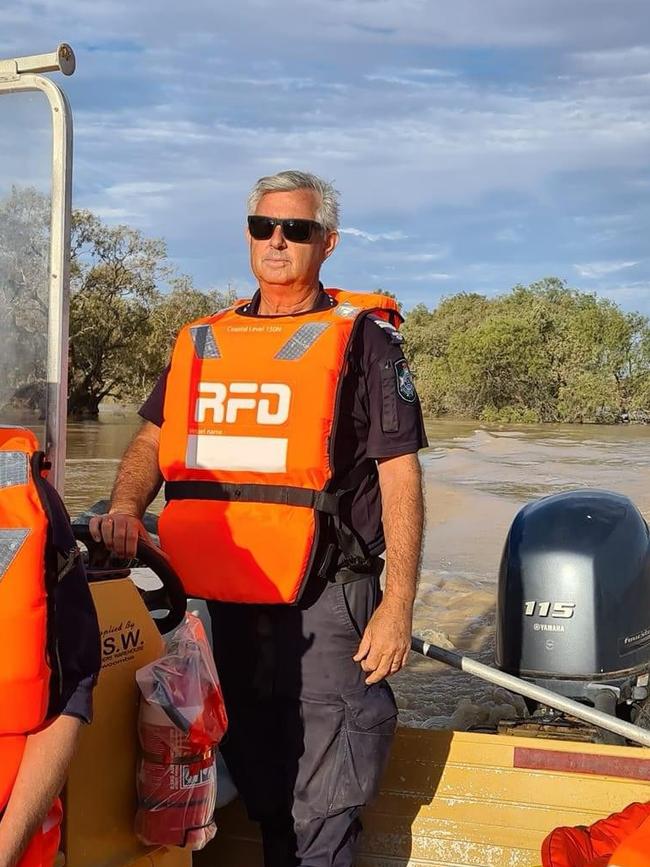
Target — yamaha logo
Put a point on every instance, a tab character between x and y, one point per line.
221	403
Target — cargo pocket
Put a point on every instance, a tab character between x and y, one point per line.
363	746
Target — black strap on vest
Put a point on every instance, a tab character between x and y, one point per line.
327	502
284	495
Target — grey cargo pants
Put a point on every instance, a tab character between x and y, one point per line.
308	741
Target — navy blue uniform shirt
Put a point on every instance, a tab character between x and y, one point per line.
379	417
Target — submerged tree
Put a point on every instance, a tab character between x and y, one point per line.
24	288
543	352
114	288
121	324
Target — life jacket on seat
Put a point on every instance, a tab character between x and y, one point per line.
29	566
620	840
250	416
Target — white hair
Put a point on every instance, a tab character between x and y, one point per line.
327	212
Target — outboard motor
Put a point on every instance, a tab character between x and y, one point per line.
573	611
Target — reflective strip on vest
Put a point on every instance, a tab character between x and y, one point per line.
301	341
204	342
11	542
263	411
13	469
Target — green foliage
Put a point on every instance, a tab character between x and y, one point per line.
114	277
24	288
181	305
538	353
122	323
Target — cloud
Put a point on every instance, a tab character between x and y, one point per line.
631	296
631	60
508	236
421	257
596	270
425	77
432	275
373	237
479	125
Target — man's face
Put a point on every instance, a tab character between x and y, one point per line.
279	262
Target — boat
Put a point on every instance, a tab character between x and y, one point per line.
449	799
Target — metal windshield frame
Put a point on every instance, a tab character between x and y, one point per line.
21	75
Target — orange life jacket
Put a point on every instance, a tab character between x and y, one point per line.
250	416
24	664
634	850
620	840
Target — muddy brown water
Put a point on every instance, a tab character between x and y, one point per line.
477	478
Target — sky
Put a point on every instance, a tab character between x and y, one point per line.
476	144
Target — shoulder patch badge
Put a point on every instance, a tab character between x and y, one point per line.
405	384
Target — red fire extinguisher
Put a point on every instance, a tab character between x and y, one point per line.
181	721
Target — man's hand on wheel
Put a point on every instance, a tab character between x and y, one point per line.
386	642
119	532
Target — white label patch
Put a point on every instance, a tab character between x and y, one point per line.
257	454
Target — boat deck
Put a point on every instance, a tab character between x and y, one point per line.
456	799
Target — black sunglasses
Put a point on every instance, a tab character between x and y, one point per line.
299	231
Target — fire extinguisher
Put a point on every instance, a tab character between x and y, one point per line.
180	722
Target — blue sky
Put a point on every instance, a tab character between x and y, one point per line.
476	143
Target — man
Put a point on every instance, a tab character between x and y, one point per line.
287	430
49	654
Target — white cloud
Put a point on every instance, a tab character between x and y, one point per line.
632	296
631	60
432	275
374	237
421	257
595	270
139	188
412	77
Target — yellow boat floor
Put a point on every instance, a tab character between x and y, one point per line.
456	799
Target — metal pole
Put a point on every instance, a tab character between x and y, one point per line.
18	75
529	690
61	60
57	362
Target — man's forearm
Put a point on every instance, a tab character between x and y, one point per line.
403	518
138	477
42	773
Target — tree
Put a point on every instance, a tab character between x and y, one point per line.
24	291
543	352
114	277
181	305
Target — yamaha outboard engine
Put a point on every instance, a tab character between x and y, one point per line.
573	611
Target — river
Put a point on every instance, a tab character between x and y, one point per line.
477	478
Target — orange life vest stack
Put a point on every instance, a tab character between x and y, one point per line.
250	417
25	665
